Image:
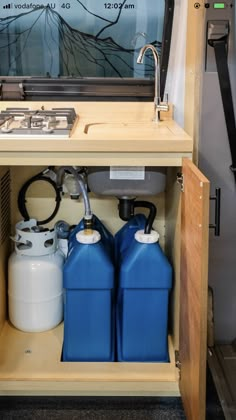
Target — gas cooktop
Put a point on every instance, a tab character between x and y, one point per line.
28	123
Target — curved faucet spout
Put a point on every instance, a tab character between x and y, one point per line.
157	100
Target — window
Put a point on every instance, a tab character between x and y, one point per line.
80	39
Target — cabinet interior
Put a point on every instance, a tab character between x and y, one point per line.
30	363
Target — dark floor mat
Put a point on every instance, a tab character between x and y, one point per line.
104	408
91	408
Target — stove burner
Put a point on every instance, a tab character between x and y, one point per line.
33	123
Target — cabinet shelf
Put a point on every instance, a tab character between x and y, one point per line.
31	363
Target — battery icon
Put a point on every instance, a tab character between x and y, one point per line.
219	6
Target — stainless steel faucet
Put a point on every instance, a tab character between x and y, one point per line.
158	106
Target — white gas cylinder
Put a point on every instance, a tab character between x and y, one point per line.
35	279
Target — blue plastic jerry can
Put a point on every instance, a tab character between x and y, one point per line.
89	331
145	279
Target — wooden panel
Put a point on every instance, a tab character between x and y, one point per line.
106	140
195	55
92	158
193	291
172	246
27	356
74	388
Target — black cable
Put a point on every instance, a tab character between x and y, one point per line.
22	200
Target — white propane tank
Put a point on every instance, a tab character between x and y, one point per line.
35	279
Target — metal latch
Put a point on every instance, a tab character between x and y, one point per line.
217	29
180	180
177	362
12	91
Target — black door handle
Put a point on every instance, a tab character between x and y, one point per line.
217	199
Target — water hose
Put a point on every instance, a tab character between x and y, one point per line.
151	216
41	176
79	179
126	211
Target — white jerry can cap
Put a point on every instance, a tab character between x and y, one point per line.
88	236
147	238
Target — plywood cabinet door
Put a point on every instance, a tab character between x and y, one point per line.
193	291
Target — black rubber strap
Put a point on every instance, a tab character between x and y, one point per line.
220	48
22	200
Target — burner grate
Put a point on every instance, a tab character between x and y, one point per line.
18	122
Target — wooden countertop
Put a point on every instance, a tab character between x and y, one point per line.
101	127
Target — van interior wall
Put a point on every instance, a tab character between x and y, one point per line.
233	63
214	162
